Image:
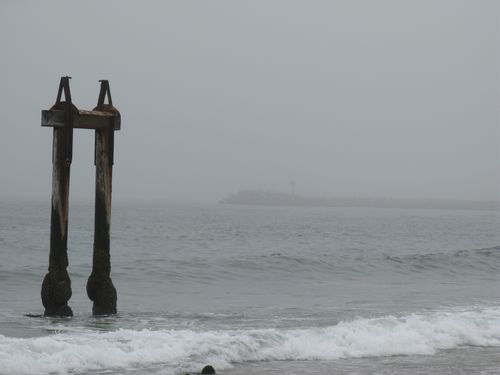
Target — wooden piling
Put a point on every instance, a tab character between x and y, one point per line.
100	288
56	286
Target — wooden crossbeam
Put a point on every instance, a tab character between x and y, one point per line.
98	120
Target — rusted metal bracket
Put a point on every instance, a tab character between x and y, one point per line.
102	94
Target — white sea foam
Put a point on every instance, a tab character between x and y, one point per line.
423	333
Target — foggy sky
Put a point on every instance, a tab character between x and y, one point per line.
346	98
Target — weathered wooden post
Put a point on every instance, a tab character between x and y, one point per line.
104	119
100	288
56	286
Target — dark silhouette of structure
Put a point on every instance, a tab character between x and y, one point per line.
63	117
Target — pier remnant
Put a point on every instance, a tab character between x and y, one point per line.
100	288
56	286
63	117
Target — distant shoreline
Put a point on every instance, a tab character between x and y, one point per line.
269	198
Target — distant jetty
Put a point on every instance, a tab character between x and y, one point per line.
271	198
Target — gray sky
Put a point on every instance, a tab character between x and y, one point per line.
369	98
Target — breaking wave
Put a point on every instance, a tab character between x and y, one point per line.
172	351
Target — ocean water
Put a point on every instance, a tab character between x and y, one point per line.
259	290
